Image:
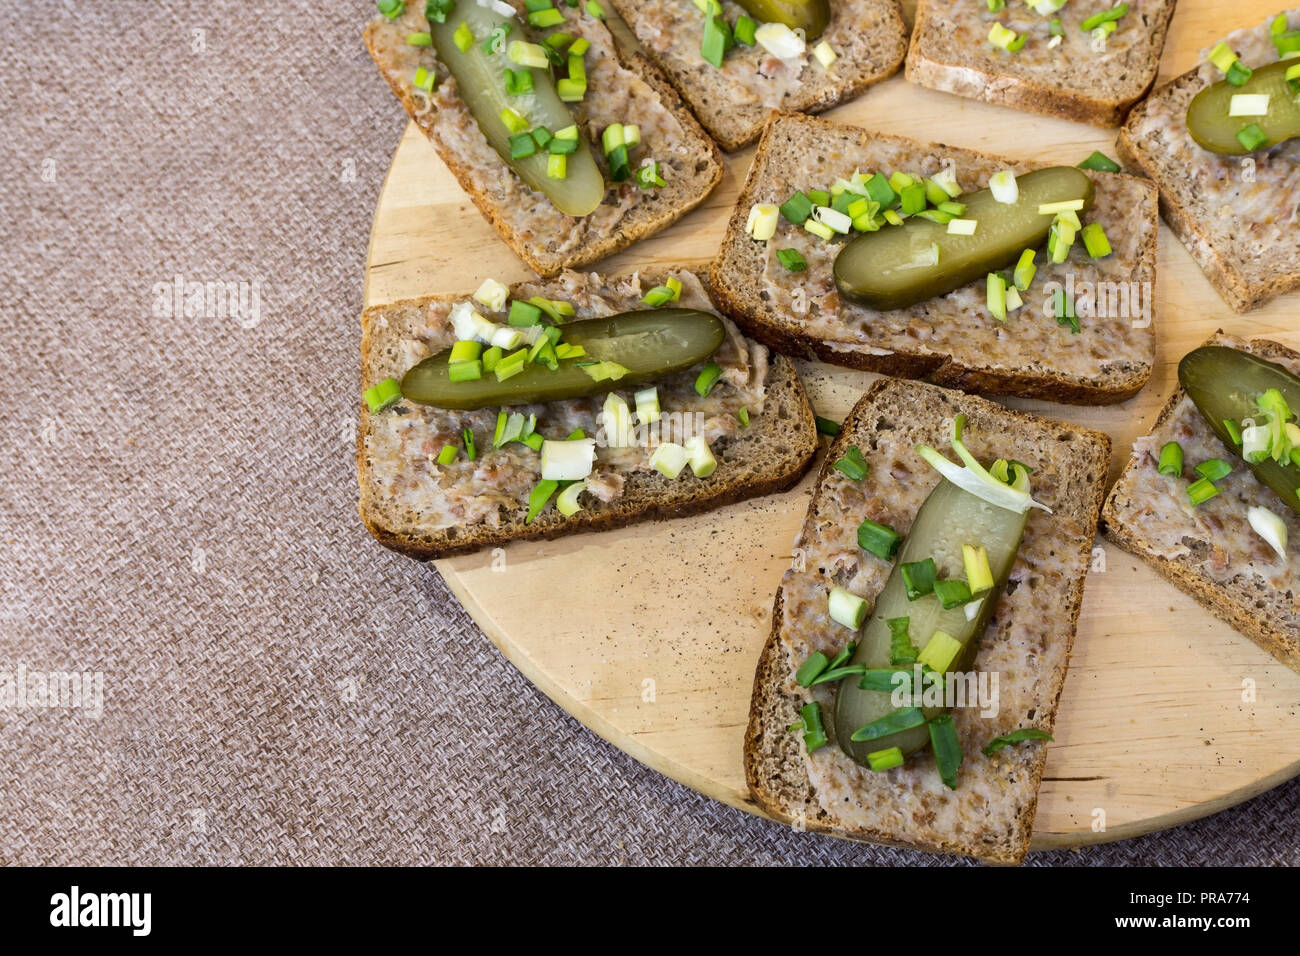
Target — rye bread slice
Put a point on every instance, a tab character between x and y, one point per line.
950	340
950	51
622	85
768	456
990	815
1233	213
869	37
1210	551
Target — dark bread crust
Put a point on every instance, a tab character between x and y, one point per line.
730	275
735	126
645	221
774	768
771	456
1234	603
928	68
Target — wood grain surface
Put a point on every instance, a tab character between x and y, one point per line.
1155	727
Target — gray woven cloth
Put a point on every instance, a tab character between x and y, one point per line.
178	508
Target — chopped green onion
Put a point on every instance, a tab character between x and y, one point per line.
580	45
707	378
571	91
1095	241
659	295
879	190
839	673
1100	162
827	426
847	608
513	121
797	208
819	197
557	166
436	11
648	176
947	748
1238	74
717	40
465	371
883	760
522	145
447	455
419	39
1216	469
539	496
912	199
391	8
523	314
1015	737
468	436
491	357
814	736
1106	16
543	19
1064	308
424	80
1171	460
1222	56
995	5
1201	490
979	576
996	298
852	465
879	539
594	9
792	259
940	650
1025	269
534	441
918	577
952	594
905	718
1252	137
1055	28
743	32
519	82
463	37
901	649
528	54
1233	430
816	663
884	679
743	417
381	396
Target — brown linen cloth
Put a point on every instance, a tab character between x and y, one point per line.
178	509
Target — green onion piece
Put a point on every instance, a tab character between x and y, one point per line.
884	679
1201	490
880	540
792	259
852	465
744	30
947	748
436	11
996	297
594	9
1222	56
1216	469
424	80
1278	25
1064	307
465	371
538	497
543	19
570	90
995	5
883	760
743	417
519	82
1233	429
463	37
827	426
1100	162
1095	241
1055	28
1252	137
534	441
819	197
557	166
391	8
879	190
558	40
1171	460
580	45
905	718
523	314
648	176
912	199
918	577
659	295
498	434
1287	43
465	351
707	378
522	145
1239	73
814	737
447	455
816	663
797	208
839	673
381	396
952	594
419	39
901	649
532	6
717	40
1015	737
1106	16
1025	270
468	436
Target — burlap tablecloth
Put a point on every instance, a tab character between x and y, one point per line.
179	511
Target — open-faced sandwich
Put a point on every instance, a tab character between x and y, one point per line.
927	261
734	62
1218	141
1211	497
573	404
1085	60
570	148
920	641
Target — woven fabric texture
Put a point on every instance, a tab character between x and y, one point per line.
178	507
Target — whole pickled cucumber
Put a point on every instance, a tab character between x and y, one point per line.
480	82
1224	383
811	16
949	518
650	344
891	268
1211	126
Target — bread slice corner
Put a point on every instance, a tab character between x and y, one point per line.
990	815
950	52
1210	552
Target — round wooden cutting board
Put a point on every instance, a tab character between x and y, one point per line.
1167	714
